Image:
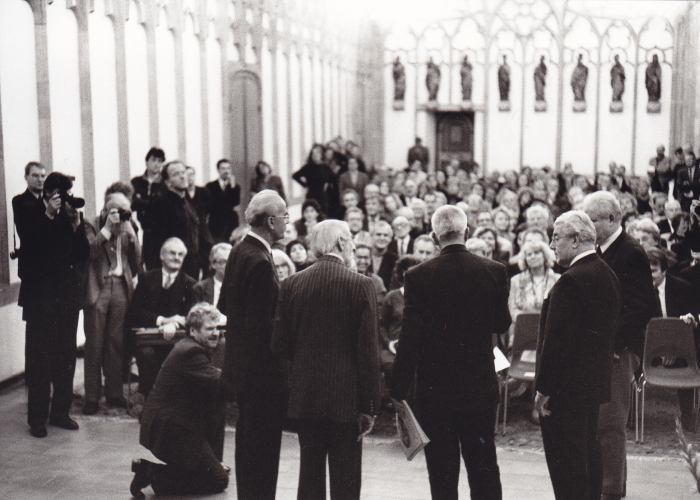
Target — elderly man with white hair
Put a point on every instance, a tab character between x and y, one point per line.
629	261
326	326
574	355
454	302
252	375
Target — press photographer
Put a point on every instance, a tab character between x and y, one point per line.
57	242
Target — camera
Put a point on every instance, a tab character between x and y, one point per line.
124	215
73	201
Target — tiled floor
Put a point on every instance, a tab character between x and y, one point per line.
93	463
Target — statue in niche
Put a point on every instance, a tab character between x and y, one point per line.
504	80
579	78
399	74
467	79
652	81
540	76
432	80
617	82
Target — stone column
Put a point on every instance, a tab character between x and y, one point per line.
42	82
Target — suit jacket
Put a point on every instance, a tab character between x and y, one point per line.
222	217
628	260
691	274
578	324
248	299
26	209
145	195
326	325
386	269
147	302
345	182
178	414
679	297
102	252
454	303
686	189
394	246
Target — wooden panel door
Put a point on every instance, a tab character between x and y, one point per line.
245	116
455	138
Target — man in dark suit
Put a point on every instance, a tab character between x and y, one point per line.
687	186
629	262
58	251
574	358
183	419
147	189
253	376
353	179
453	304
224	197
326	326
174	215
162	298
382	259
402	244
418	152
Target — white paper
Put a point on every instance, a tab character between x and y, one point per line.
500	361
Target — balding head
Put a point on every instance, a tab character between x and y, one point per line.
332	236
172	254
450	225
604	210
266	203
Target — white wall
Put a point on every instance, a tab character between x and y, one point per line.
215	96
167	105
138	113
193	98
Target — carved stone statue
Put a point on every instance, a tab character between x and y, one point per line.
652	81
399	73
504	80
540	76
467	79
617	79
432	80
579	78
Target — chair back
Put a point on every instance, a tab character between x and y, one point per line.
523	362
670	338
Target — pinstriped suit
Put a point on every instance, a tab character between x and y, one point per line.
326	325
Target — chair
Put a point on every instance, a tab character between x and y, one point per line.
671	338
523	362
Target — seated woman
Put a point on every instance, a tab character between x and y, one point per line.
299	254
392	316
183	420
264	179
283	264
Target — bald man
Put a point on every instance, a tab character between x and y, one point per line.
115	254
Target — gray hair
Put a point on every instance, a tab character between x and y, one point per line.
382	224
648	226
173	241
325	235
536	208
219	247
280	258
449	221
476	246
578	222
199	314
547	253
604	204
261	205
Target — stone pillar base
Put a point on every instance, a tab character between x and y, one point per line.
616	107
579	106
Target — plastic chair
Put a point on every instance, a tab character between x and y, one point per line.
670	338
523	362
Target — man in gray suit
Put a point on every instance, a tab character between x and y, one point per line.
326	325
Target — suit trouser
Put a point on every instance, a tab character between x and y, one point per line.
471	432
104	340
573	453
51	353
324	439
612	424
258	442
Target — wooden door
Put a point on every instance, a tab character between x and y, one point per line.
245	117
455	138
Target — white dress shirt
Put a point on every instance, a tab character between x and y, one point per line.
610	240
262	240
662	297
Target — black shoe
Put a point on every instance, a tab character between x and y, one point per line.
64	423
90	407
116	402
142	477
38	431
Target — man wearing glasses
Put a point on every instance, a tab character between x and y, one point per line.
252	375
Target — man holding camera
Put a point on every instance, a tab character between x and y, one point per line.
58	249
114	258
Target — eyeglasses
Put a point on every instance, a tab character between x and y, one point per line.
556	237
285	217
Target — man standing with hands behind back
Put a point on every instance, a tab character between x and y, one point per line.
574	357
224	197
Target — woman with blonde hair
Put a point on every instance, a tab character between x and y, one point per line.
283	264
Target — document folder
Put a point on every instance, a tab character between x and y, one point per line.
412	437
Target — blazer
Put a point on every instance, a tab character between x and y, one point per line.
686	189
180	408
223	219
628	260
145	195
248	299
26	209
100	261
386	269
326	325
679	297
453	304
148	302
578	324
394	246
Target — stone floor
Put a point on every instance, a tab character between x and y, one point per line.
93	463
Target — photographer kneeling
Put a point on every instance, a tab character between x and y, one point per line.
183	419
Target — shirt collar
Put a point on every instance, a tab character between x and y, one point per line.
581	256
172	275
337	256
261	239
604	247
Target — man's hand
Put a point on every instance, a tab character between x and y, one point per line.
112	221
169	330
53	206
541	402
365	424
688	319
73	215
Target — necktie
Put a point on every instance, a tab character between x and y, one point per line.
168	281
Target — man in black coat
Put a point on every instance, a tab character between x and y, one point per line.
224	197
183	420
58	252
326	326
687	186
253	376
453	304
162	298
147	189
383	260
631	266
574	359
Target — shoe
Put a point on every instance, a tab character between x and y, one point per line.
64	423
142	477
90	407
38	431
116	402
